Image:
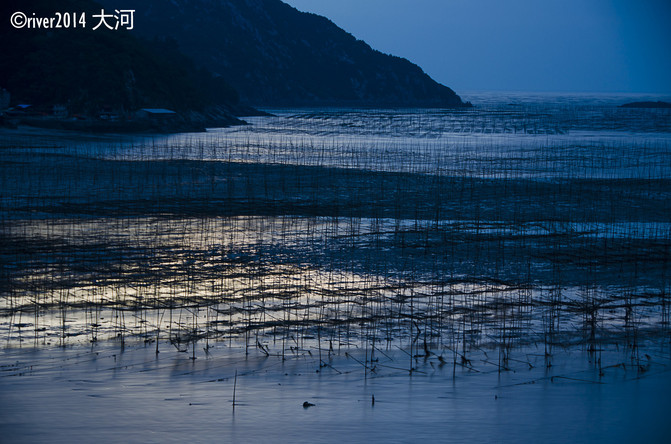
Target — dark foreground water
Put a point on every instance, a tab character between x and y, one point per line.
74	395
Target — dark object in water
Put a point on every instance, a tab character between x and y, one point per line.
307	404
658	104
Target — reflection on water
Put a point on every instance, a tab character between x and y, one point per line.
342	281
492	254
513	222
138	396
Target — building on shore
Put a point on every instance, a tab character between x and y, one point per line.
157	114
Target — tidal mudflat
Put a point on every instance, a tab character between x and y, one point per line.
497	273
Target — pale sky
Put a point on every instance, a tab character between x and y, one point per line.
518	45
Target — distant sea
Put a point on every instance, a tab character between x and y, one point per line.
486	98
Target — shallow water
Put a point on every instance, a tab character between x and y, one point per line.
537	136
104	395
531	230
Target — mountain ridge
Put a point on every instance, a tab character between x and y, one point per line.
276	55
87	73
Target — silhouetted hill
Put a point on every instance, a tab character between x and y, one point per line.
273	54
88	70
658	104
